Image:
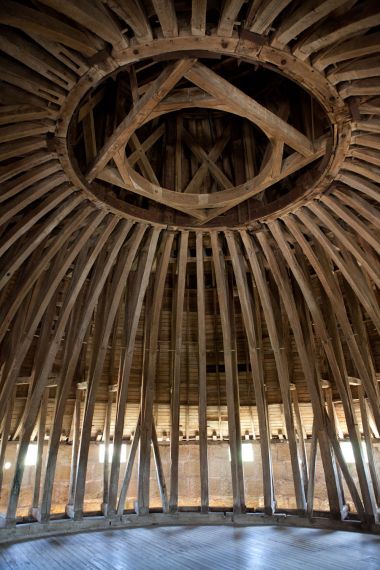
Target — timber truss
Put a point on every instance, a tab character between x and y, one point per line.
114	165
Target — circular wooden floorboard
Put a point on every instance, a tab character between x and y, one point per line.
200	548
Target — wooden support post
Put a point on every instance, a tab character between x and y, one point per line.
129	468
300	434
233	420
338	373
282	372
114	295
159	470
40	450
303	335
332	413
5	433
150	376
61	265
256	364
234	358
77	330
363	340
312	465
75	444
133	312
323	268
175	395
107	442
202	375
368	444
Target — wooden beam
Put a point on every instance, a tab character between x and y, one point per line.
107	441
198	17
331	32
79	325
159	470
323	269
202	374
302	18
352	220
156	92
40	448
52	202
283	376
338	374
263	17
6	428
361	206
49	28
133	313
351	274
74	450
207	161
91	15
178	309
368	444
247	303
150	375
300	435
228	16
352	48
50	287
166	14
312	466
135	17
129	468
233	419
270	123
304	339
116	290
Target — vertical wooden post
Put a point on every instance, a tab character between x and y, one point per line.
75	445
76	333
300	434
312	465
202	375
368	443
129	468
134	304
175	396
338	373
116	289
106	438
233	420
148	389
159	470
5	433
282	371
61	264
303	335
40	448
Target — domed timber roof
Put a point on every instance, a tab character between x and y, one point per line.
189	236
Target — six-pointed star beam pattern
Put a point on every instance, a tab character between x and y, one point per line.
214	92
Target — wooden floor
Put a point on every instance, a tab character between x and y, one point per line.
198	548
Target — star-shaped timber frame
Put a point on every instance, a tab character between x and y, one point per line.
211	91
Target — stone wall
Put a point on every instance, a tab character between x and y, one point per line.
220	487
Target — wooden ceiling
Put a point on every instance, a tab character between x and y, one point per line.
190	220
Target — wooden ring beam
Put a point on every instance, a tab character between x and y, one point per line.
204	210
